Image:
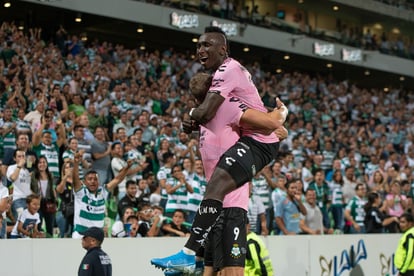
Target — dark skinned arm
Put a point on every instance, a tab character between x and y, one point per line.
207	110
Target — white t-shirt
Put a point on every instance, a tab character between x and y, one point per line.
29	221
21	187
117	164
313	218
4	192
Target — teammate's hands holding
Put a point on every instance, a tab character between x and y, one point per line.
281	107
281	133
280	112
190	126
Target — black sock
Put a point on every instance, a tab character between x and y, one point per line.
204	220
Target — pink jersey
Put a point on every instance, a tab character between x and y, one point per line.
212	146
233	80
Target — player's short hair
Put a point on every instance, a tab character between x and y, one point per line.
215	29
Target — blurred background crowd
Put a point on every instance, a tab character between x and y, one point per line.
349	151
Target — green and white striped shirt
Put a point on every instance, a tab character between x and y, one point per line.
177	200
9	140
52	156
261	189
356	207
336	194
164	173
89	208
23	126
199	183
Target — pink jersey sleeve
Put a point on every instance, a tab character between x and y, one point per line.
233	80
227	117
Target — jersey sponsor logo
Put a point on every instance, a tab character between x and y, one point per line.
230	161
242	106
216	82
235	251
222	68
241	152
207	210
244	145
198	230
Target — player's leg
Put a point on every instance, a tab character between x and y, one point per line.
234	242
222	182
213	248
236	167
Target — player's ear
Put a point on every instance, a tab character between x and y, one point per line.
223	51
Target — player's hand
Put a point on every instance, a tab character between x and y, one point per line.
279	103
282	133
190	126
281	107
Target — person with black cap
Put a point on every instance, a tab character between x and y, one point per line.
96	262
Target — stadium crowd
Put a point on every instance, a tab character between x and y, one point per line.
348	33
115	111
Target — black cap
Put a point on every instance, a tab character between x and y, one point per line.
94	232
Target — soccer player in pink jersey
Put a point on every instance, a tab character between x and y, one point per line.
228	235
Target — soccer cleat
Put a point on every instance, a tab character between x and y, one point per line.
179	261
171	272
199	269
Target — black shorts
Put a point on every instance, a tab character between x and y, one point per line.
226	243
246	158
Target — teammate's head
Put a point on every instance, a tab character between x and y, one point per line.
199	85
212	48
